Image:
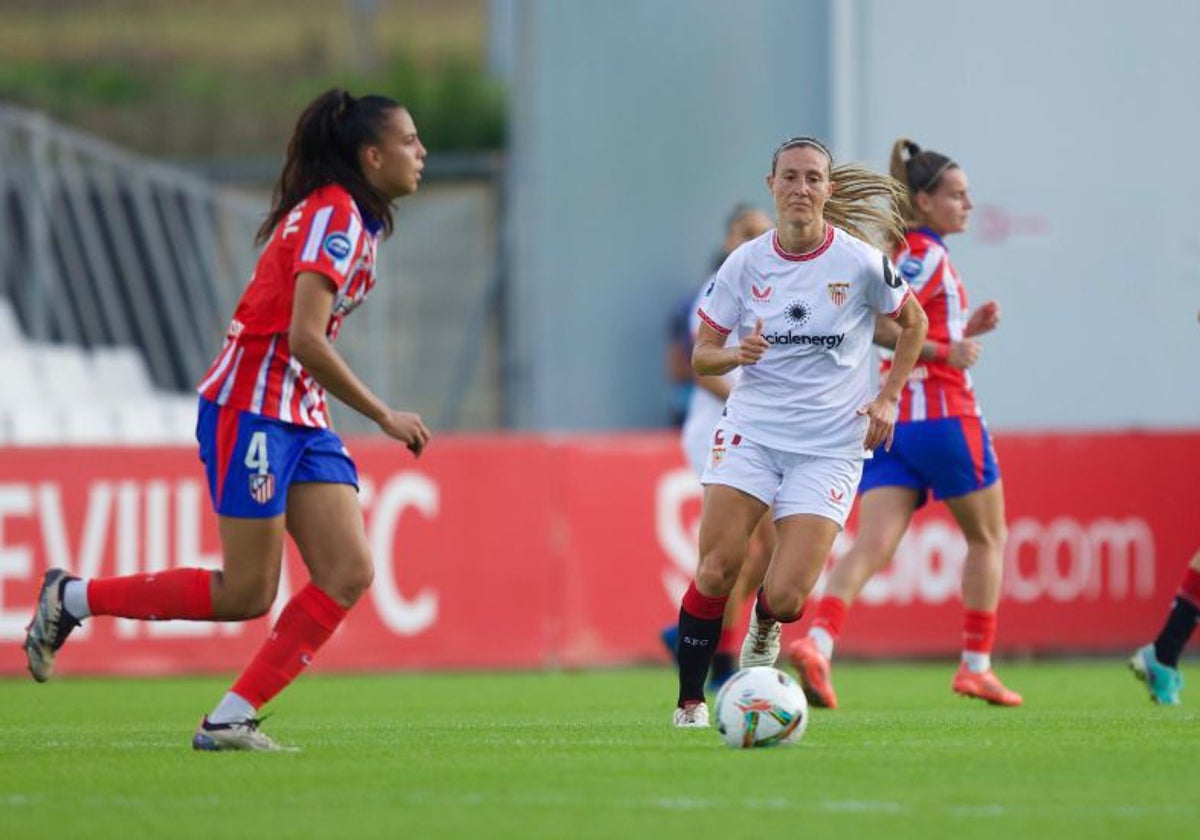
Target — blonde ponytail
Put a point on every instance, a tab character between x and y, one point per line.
868	205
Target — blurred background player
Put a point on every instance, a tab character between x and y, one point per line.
273	463
942	444
1157	664
744	222
803	298
705	404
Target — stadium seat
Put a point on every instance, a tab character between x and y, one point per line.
63	372
10	329
18	375
179	411
121	372
88	424
160	420
35	424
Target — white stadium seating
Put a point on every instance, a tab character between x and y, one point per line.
65	395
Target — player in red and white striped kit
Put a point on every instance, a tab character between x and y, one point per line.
272	461
942	444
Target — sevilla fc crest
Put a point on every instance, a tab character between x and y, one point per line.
838	292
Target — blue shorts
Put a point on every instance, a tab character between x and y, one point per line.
952	456
251	460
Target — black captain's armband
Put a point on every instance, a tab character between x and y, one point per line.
889	274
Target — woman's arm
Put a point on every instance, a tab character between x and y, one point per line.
710	356
959	354
881	411
311	306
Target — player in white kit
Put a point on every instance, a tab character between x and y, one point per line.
803	299
706	404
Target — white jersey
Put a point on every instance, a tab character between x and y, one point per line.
818	311
704	407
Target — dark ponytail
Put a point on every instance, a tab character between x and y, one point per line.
324	150
921	170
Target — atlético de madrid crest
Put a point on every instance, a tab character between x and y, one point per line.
262	487
838	292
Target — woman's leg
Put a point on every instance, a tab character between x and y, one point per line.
754	568
981	516
883	516
805	540
803	544
244	588
1157	664
326	523
728	518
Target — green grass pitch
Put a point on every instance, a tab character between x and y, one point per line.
593	755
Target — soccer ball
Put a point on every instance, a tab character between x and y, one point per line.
761	707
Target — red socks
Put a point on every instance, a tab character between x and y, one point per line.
159	596
1189	587
305	624
979	631
830	615
762	610
702	606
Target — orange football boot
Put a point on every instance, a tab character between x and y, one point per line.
985	686
813	670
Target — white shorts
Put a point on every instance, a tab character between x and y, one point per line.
792	482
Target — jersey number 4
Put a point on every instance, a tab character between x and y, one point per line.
256	454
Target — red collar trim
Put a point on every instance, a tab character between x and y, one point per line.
809	255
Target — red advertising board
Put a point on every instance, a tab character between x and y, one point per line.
524	551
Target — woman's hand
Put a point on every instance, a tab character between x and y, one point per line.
752	346
881	412
407	428
984	319
963	354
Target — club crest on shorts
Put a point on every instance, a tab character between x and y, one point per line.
262	487
838	292
718	453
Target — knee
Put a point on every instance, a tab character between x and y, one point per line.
988	537
716	574
249	601
350	582
785	606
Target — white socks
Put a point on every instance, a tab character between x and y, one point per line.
233	708
977	663
74	595
821	638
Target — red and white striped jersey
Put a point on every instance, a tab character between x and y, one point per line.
935	389
255	370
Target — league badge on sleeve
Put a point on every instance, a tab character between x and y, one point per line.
911	267
337	245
